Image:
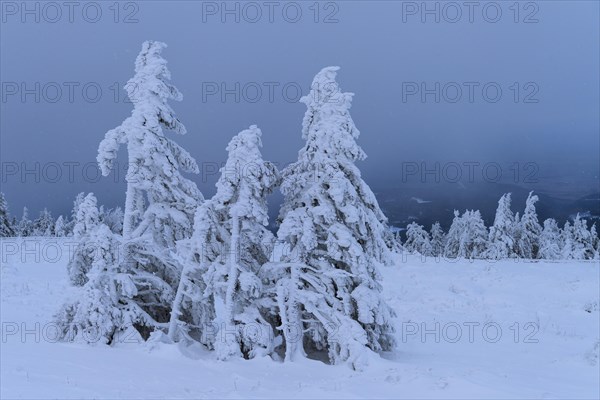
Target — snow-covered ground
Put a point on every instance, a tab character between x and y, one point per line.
465	330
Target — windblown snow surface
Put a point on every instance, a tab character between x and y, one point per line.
510	329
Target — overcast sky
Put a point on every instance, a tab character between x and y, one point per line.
543	56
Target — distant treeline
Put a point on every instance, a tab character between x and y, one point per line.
511	236
46	225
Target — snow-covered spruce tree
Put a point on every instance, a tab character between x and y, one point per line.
241	203
576	240
397	235
417	240
242	192
6	227
76	203
437	239
501	242
327	285
567	245
193	311
453	238
106	306
44	224
529	230
87	216
582	240
467	237
86	221
473	240
549	241
160	203
25	227
60	227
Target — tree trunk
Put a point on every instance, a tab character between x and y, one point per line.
232	276
129	216
130	200
293	330
176	307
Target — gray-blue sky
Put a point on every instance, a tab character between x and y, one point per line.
379	54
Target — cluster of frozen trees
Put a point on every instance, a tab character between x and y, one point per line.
182	268
176	267
511	236
46	225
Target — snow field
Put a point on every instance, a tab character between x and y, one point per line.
551	353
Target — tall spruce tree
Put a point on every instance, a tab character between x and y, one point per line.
453	238
473	239
60	227
86	221
327	284
160	203
583	248
417	240
437	239
467	237
501	241
550	241
240	209
529	230
567	243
